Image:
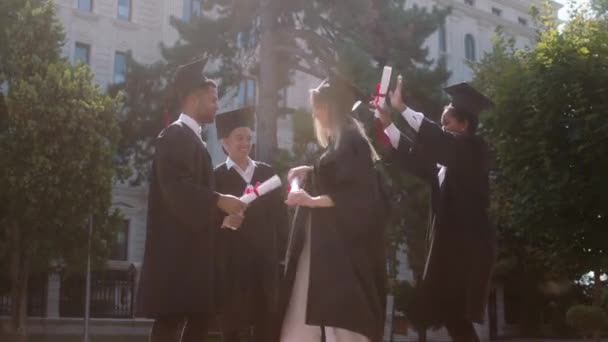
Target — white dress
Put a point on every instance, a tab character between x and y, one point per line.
295	328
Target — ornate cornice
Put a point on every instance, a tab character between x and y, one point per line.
488	19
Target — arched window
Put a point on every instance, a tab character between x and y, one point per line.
469	47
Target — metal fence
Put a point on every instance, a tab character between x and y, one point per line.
112	294
36	295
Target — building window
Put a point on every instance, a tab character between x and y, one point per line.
283	99
192	8
470	2
522	21
245	40
82	53
497	11
443	44
469	47
247	92
121	247
120	67
124	10
85	5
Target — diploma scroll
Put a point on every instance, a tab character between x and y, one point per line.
295	185
251	194
382	89
262	189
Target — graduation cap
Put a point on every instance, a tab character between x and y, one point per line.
226	122
467	99
189	77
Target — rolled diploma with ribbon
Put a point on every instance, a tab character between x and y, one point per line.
295	185
382	88
271	184
262	189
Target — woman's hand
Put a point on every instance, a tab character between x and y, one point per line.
299	172
301	198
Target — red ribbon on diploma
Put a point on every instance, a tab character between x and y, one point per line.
378	95
253	189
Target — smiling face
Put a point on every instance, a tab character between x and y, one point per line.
238	144
451	124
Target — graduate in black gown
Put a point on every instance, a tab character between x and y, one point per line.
454	161
177	287
336	270
249	257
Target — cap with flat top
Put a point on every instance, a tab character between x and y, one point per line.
189	77
227	122
467	99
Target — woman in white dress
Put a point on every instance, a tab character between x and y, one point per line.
337	272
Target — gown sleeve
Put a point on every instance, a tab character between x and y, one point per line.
442	147
192	204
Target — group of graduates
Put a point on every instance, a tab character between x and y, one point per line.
212	260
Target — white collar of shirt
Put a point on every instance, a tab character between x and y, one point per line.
246	174
190	122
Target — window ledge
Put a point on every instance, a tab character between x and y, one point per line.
90	16
127	25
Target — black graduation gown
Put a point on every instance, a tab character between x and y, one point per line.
461	241
249	258
178	270
347	285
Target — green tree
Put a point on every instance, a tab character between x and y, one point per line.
600	7
57	150
141	116
549	130
269	40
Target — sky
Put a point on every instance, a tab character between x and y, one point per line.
563	13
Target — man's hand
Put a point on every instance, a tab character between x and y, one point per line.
233	221
396	97
231	205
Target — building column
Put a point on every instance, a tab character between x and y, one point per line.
53	294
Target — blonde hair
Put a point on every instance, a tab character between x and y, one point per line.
339	120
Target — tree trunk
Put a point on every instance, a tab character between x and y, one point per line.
19	268
267	102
